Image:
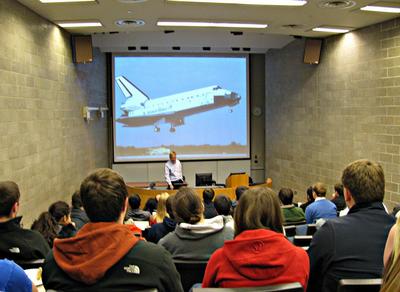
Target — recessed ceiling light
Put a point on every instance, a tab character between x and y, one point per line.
331	29
249	2
65	1
382	7
337	4
210	24
70	24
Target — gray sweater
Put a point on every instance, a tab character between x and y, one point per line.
198	241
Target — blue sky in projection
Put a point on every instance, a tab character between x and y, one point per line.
162	76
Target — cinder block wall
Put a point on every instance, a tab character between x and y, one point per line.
320	118
45	145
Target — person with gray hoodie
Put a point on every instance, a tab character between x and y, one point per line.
194	238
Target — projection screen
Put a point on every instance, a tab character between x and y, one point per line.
194	105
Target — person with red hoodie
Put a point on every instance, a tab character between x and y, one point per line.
105	255
259	255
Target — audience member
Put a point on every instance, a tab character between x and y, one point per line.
321	208
209	209
396	212
391	273
338	197
135	213
223	206
161	212
194	238
151	205
310	198
159	230
17	243
260	255
13	278
105	255
291	213
56	223
78	215
352	246
238	192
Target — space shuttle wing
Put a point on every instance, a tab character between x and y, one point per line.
130	90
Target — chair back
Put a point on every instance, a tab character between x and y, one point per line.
290	230
302	240
311	229
355	285
32	264
290	287
191	272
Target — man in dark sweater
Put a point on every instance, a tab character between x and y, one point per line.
16	243
105	255
352	246
209	209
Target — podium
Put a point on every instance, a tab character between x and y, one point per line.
236	180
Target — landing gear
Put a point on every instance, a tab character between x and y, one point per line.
156	129
172	129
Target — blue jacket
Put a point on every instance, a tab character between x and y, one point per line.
320	209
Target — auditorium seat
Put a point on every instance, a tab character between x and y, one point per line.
290	287
302	240
290	230
311	229
295	223
191	272
32	264
355	285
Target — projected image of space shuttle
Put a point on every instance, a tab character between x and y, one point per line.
139	110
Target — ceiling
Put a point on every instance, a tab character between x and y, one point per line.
277	17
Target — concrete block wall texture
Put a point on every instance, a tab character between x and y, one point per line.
321	117
45	145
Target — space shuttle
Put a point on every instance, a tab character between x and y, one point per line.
139	110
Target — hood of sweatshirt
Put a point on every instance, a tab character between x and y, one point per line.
200	230
95	249
259	254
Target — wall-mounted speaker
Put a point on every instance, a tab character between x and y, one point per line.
312	51
82	50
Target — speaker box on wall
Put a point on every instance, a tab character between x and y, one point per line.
312	51
82	50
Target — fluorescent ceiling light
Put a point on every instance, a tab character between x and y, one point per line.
65	1
249	2
388	8
210	24
79	24
331	29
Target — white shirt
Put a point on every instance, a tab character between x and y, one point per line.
173	171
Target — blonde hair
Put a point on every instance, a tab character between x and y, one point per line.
390	278
162	208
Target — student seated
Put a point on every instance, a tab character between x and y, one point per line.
321	208
310	198
209	209
161	212
78	215
338	197
134	212
194	238
159	230
13	278
238	192
291	213
260	255
17	243
351	247
223	205
391	274
105	255
55	223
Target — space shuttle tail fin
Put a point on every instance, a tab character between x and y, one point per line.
130	90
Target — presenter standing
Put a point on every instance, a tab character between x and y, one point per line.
173	171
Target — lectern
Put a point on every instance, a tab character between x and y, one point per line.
237	179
